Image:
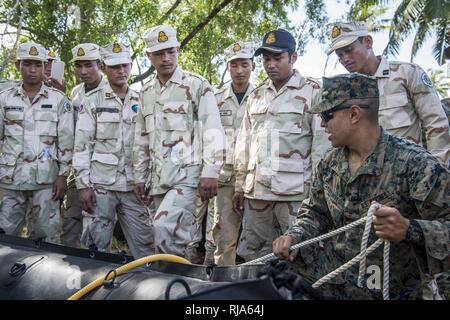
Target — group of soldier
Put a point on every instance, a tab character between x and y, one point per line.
267	167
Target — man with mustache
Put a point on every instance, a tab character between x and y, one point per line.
272	156
36	128
179	146
86	58
103	159
409	105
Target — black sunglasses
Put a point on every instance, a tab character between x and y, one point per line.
328	115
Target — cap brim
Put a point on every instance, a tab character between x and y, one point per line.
116	61
342	43
322	107
83	58
240	56
162	46
32	58
260	50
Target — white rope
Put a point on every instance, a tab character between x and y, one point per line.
361	257
364	240
347	265
271	256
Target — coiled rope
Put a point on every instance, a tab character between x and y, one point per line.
361	257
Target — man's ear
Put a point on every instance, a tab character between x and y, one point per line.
17	64
294	57
102	66
368	41
253	66
355	114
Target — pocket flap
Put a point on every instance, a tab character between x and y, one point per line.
108	115
14	115
395	100
287	165
8	159
106	158
292	108
46	116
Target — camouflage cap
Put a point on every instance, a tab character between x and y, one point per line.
344	33
31	51
115	53
160	38
239	50
338	89
85	51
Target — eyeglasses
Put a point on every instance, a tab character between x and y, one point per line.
328	115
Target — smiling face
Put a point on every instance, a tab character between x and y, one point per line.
240	71
355	56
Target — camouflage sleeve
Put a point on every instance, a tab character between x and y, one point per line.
141	151
2	121
242	151
432	115
211	132
65	136
314	217
428	185
84	138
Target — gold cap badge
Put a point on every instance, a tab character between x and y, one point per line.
271	38
237	47
51	54
33	51
335	32
162	37
116	48
80	52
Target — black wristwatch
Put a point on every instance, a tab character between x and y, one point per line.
414	234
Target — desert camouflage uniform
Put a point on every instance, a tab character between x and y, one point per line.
226	222
72	218
179	139
37	148
409	108
273	161
399	174
103	161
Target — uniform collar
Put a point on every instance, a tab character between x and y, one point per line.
372	166
177	76
296	81
43	91
383	68
101	84
229	94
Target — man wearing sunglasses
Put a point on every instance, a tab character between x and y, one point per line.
409	105
369	164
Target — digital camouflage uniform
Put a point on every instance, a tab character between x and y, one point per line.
409	105
103	161
37	148
225	229
273	161
72	217
398	174
179	139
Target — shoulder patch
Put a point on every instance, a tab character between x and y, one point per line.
67	106
426	80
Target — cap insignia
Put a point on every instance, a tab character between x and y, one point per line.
162	37
80	52
271	38
237	47
116	48
33	51
335	32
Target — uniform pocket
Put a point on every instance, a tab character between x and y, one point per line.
249	183
108	125
14	122
226	117
47	171
46	123
230	145
393	113
103	168
7	167
288	177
